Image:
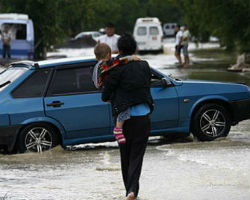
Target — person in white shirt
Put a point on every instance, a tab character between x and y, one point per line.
178	44
110	38
6	38
186	36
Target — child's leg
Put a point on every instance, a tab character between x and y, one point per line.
119	124
118	132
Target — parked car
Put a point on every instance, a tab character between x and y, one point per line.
169	29
94	34
22	34
148	34
53	102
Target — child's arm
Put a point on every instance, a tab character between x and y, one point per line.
133	57
107	65
128	59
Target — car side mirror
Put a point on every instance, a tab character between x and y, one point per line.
166	82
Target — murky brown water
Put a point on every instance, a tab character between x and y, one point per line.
172	170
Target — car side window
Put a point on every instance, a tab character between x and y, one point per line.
72	81
33	86
155	79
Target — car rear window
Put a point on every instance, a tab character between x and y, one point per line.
153	30
142	30
10	74
33	86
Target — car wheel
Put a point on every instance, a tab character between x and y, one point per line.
210	122
37	138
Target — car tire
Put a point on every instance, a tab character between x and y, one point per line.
37	137
210	122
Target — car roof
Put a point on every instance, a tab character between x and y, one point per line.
54	62
88	32
85	33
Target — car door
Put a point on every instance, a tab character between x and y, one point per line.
141	37
73	100
166	110
154	37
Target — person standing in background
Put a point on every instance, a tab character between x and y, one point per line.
186	36
110	38
6	38
178	44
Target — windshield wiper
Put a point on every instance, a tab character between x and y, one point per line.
6	83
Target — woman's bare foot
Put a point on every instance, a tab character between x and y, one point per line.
131	196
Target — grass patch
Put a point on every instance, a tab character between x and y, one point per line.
216	53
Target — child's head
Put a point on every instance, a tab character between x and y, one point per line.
102	51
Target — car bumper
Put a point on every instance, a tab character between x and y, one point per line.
241	110
8	136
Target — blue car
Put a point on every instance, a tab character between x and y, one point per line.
46	103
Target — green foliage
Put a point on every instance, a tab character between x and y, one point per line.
229	20
56	20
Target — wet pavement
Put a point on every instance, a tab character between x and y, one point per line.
173	170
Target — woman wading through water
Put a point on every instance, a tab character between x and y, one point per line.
128	88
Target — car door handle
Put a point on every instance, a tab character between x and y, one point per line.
55	104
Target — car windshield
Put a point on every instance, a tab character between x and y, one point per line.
9	75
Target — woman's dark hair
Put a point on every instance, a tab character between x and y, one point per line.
126	44
110	25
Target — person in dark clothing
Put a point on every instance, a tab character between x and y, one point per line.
6	39
101	72
128	87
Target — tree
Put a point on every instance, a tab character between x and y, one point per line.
56	20
229	20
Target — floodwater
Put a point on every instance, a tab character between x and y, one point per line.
177	170
172	170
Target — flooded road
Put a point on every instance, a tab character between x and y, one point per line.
172	170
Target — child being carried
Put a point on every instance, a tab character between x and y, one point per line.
101	71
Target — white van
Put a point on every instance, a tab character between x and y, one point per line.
148	34
22	35
169	29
